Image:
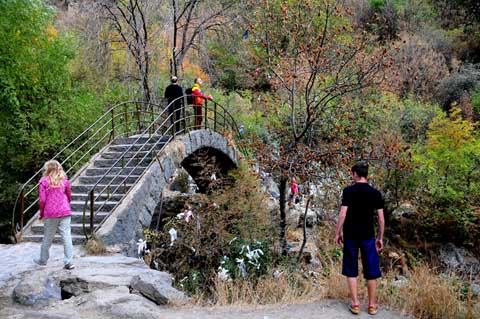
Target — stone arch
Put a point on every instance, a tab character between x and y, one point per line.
125	224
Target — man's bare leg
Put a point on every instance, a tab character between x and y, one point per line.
352	286
372	290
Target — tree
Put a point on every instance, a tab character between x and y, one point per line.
128	18
449	162
39	110
314	57
191	18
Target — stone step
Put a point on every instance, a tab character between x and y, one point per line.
141	140
102	163
77	229
120	179
135	147
116	155
77	217
101	188
83	196
105	206
99	171
76	239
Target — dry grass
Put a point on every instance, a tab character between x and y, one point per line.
266	291
426	293
429	295
95	247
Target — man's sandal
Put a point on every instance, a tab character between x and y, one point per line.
355	309
372	310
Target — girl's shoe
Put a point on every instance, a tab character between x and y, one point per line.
355	309
39	262
69	266
372	310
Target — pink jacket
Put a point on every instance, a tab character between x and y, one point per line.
54	201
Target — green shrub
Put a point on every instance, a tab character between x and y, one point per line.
223	225
448	181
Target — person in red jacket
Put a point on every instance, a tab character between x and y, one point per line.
198	98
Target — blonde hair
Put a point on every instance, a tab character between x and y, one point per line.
55	171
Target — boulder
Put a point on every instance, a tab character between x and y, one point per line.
157	287
295	215
309	253
117	302
405	210
36	290
269	186
475	289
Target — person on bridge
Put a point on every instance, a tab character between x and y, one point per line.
359	203
198	98
55	197
173	94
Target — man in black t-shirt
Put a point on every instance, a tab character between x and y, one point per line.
359	204
173	92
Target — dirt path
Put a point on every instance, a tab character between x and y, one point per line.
313	310
17	259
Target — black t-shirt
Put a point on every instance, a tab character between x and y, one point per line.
362	201
172	92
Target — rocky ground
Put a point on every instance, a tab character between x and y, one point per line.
117	287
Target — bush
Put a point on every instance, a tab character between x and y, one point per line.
418	67
458	84
229	225
447	179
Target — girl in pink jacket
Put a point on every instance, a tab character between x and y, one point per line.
55	196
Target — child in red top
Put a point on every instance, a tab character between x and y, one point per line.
198	98
293	191
55	196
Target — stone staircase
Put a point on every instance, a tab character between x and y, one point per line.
83	183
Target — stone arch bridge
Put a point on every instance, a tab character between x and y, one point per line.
120	164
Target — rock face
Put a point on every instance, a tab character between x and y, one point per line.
459	259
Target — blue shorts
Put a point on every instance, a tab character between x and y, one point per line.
370	259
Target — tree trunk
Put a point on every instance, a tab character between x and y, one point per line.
283	215
304	231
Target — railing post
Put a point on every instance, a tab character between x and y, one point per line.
139	125
206	114
113	124
22	208
92	203
127	128
215	116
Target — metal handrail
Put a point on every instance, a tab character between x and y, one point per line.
67	154
123	119
168	132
